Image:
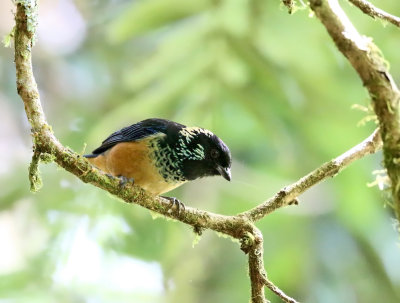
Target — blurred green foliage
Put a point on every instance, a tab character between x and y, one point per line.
272	85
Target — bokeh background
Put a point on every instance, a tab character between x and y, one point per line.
277	91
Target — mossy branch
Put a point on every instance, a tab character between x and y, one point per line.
48	148
366	59
35	179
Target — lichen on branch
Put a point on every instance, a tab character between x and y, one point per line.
35	179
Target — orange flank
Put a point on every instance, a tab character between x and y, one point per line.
131	160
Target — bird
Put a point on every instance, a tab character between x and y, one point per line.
159	155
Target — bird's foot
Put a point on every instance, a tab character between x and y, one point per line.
124	180
175	202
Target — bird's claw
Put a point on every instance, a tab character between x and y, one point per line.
124	180
175	202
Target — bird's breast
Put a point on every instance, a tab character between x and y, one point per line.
145	162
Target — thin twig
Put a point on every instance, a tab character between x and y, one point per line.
289	193
275	289
375	12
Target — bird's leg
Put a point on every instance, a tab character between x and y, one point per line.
174	201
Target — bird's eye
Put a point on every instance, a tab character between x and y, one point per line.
214	153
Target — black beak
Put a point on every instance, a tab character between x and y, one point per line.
225	172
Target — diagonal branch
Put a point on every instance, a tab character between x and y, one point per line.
375	12
366	59
329	169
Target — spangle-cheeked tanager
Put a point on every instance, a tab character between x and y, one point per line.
160	155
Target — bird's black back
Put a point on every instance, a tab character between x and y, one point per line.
139	131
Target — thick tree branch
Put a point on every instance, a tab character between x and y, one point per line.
366	59
47	148
329	169
375	12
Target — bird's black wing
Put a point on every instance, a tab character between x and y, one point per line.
134	132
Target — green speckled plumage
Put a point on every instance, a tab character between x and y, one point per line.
178	153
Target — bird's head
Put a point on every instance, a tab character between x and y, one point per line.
203	154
